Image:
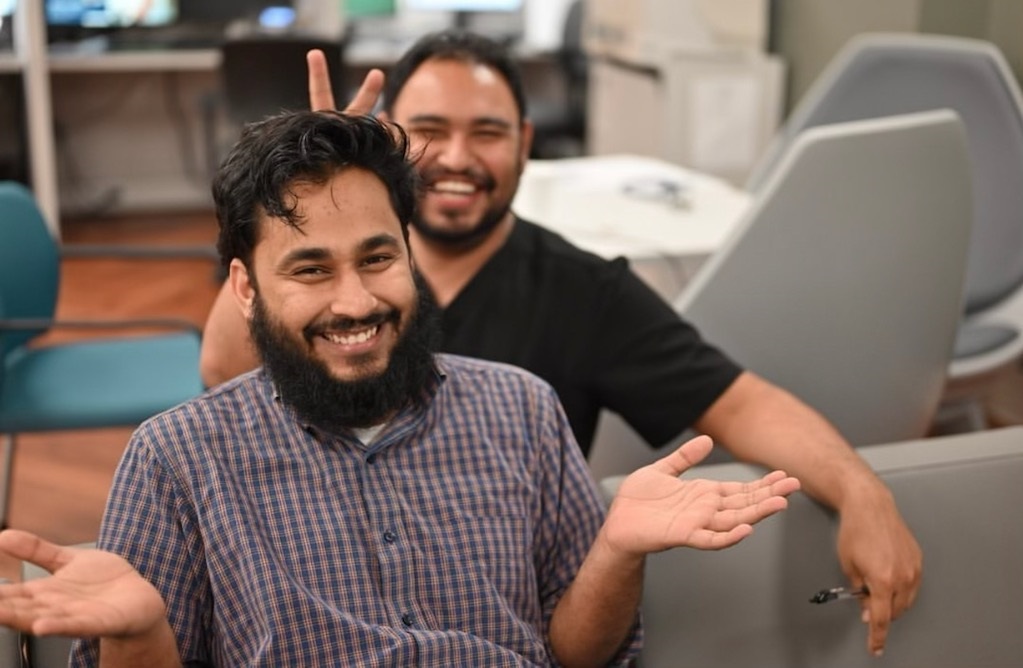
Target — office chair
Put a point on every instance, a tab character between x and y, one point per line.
749	605
835	285
260	75
882	74
111	381
266	74
562	120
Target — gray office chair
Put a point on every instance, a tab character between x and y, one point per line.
749	605
835	285
882	74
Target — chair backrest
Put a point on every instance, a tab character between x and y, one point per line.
29	263
748	605
266	74
844	282
883	74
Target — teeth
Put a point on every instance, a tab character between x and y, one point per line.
457	187
352	339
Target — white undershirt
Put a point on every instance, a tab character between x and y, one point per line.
368	434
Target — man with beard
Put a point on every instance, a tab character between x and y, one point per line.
511	291
360	500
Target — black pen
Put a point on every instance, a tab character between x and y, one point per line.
837	593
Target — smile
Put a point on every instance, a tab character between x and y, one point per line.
454	187
352	339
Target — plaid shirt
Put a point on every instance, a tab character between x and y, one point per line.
446	542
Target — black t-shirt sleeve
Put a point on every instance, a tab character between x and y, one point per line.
648	364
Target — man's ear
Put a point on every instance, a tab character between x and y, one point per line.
242	286
527	143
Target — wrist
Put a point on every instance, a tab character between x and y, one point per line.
614	550
154	646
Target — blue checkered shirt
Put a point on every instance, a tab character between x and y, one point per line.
446	542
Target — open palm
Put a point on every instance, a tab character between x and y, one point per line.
90	593
655	510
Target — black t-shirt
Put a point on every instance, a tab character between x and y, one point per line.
592	329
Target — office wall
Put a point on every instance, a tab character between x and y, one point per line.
808	33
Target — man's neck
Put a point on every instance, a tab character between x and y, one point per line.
447	270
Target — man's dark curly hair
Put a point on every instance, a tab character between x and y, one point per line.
273	156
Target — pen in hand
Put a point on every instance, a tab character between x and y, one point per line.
837	593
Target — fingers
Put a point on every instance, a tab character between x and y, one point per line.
25	546
878	614
889	599
321	95
690	453
368	94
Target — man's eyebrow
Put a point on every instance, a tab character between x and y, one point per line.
378	241
308	254
320	254
434	119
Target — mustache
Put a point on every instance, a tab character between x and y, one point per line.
478	178
344	323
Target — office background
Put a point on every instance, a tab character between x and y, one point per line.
130	155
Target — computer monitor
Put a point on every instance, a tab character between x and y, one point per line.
100	14
464	5
465	12
357	9
227	11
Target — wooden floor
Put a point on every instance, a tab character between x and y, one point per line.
61	479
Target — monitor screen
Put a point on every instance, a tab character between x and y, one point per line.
111	13
362	8
464	5
225	11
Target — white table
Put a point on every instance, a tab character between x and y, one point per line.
666	220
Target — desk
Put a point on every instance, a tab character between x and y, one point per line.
85	60
664	218
145	153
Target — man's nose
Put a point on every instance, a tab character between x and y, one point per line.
456	153
352	298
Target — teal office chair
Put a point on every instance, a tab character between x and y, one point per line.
112	381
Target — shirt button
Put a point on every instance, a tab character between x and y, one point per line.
390	536
407	619
371	459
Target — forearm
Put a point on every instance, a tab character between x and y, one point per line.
156	648
227	348
761	423
596	613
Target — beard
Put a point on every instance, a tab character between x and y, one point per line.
306	384
468	238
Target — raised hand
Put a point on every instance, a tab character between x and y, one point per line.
321	96
90	592
655	510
